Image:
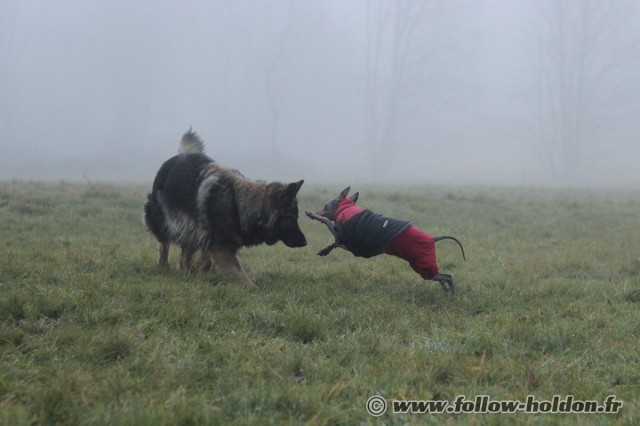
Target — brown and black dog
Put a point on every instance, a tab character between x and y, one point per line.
367	234
204	206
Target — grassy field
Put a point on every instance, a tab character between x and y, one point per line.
92	332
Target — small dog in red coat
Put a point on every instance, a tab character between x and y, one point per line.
367	234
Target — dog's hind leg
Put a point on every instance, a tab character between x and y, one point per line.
226	262
186	259
163	254
446	281
204	263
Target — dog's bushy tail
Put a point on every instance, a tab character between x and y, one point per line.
191	143
446	237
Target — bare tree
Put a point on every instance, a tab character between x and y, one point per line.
131	76
584	49
297	26
404	42
273	81
13	65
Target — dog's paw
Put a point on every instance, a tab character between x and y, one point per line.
324	251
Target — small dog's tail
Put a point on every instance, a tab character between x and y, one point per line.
445	237
191	143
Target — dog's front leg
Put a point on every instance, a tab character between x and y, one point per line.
332	228
327	222
328	249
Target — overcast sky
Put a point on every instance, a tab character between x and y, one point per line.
450	91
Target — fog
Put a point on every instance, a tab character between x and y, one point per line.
445	92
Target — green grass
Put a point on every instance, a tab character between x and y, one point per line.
92	332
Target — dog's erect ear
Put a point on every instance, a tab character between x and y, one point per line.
354	197
292	189
345	192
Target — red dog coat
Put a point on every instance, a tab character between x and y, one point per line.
413	245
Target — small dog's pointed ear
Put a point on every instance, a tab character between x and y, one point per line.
354	197
345	192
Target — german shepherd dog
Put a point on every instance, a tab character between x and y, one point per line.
201	205
367	234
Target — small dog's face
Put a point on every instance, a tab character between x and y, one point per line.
329	210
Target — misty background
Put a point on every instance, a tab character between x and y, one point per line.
522	92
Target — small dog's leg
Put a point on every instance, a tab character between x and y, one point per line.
163	254
328	249
330	225
332	228
446	281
